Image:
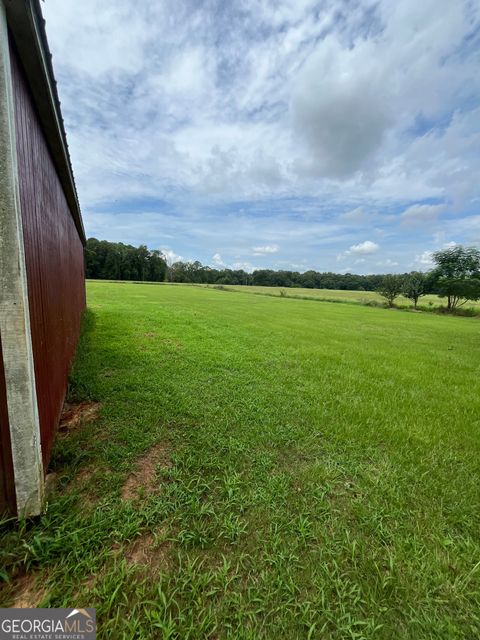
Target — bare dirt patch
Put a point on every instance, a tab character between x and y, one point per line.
150	334
140	550
28	592
74	415
84	475
145	551
143	481
148	553
84	481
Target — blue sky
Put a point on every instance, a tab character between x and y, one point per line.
340	136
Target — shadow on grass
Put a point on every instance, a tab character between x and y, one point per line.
81	388
74	451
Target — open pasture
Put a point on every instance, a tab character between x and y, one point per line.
263	467
336	295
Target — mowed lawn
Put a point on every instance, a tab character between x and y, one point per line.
263	468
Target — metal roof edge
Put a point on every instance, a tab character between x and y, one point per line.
27	27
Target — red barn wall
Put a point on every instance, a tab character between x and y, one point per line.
7	485
54	261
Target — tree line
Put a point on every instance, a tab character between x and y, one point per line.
455	276
195	272
117	261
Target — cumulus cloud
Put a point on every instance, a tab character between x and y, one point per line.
425	260
265	250
245	266
217	260
171	257
365	247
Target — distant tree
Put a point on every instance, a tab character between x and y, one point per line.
391	287
118	261
157	266
263	277
93	258
177	272
414	286
310	280
111	267
457	275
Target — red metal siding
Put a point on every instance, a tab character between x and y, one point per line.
7	487
54	262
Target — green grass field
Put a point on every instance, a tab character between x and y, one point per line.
303	470
336	295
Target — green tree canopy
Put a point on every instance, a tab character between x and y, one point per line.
391	287
457	275
118	261
415	286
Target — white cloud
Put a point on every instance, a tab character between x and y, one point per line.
424	260
265	250
363	248
245	266
366	247
217	260
387	263
171	257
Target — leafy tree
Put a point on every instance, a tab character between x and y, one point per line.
118	261
414	286
457	275
391	287
459	291
157	266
